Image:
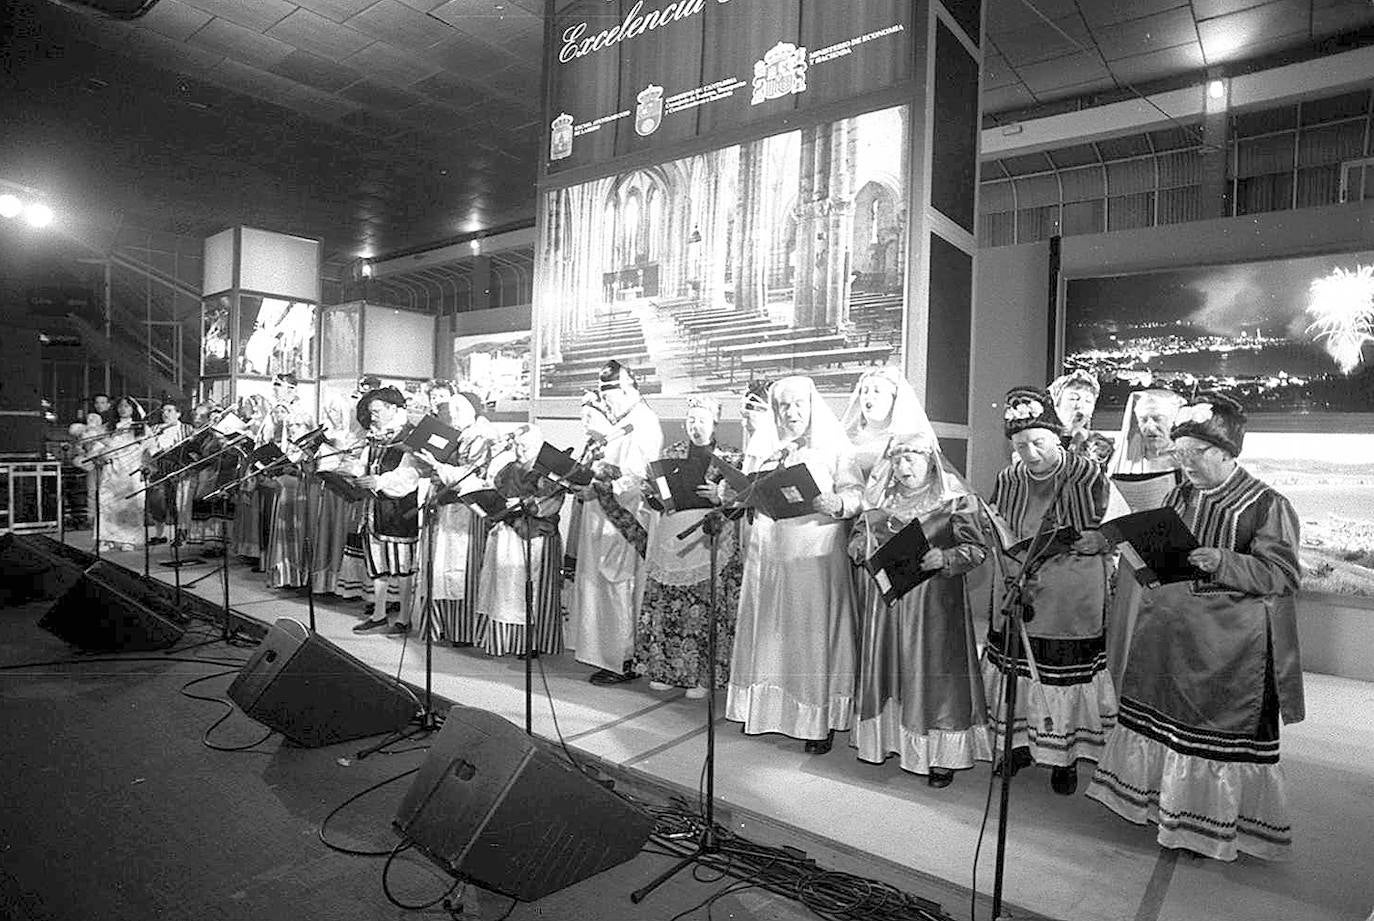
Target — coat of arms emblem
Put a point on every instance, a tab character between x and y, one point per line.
649	112
782	72
560	140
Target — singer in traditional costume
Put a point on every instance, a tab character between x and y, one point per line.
614	531
391	525
1214	663
920	695
248	521
285	559
1047	496
1075	400
223	442
1143	472
672	638
883	405
113	457
164	499
531	527
353	581
792	670
331	514
459	534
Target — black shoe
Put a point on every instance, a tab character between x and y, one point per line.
532	654
398	630
1064	780
460	644
605	677
1020	758
154	541
369	625
940	778
821	746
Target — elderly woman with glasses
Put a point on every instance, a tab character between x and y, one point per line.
1214	661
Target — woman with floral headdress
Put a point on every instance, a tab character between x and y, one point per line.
919	692
792	670
1052	501
882	405
672	637
1214	666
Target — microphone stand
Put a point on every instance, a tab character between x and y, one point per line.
1014	608
426	721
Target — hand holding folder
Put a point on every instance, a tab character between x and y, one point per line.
896	565
1156	544
676	485
780	494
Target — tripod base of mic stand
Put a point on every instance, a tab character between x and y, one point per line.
706	846
424	724
178	564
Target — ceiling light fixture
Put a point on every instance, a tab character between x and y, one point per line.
38	214
475	246
1216	89
10	206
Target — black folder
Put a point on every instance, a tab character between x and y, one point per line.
676	484
435	436
342	485
1156	543
488	503
780	494
1061	540
896	565
267	455
561	467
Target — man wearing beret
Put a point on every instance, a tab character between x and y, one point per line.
391	528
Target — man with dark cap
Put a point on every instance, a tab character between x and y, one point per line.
1214	662
391	528
1052	501
615	518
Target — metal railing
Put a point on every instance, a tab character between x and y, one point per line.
32	493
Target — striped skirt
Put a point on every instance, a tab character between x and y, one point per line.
499	622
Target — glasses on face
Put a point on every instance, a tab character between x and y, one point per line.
1188	455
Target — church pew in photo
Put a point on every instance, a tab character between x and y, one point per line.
804	362
732	356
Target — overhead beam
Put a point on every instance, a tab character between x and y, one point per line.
511	239
1263	89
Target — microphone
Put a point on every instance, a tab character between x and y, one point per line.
596	439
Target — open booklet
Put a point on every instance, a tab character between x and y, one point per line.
786	492
676	482
435	436
1156	544
342	485
560	466
896	565
486	503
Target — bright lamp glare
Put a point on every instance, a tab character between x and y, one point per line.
38	215
10	206
1216	89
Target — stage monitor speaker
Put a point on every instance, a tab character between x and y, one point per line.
105	610
314	693
492	805
24	575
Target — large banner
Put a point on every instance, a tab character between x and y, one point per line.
645	75
1293	341
782	255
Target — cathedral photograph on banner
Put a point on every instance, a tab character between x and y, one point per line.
783	255
1292	340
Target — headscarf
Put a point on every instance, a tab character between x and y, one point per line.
823	431
943	483
760	444
907	414
1130	452
710	404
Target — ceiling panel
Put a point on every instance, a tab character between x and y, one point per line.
315	72
174	19
996	71
1102	12
1007	98
1141	68
1070	70
401	25
337	10
465	54
383	61
1342	17
312	32
259	15
379	96
1231	37
1040	41
1010	15
1206	9
240	43
1149	33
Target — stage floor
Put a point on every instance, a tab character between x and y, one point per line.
1068	857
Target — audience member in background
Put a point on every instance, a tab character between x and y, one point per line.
615	516
1052	498
1214	662
672	637
792	670
919	692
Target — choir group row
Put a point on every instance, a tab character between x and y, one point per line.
1175	692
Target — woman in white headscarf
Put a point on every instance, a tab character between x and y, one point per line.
792	670
883	404
1143	472
920	694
